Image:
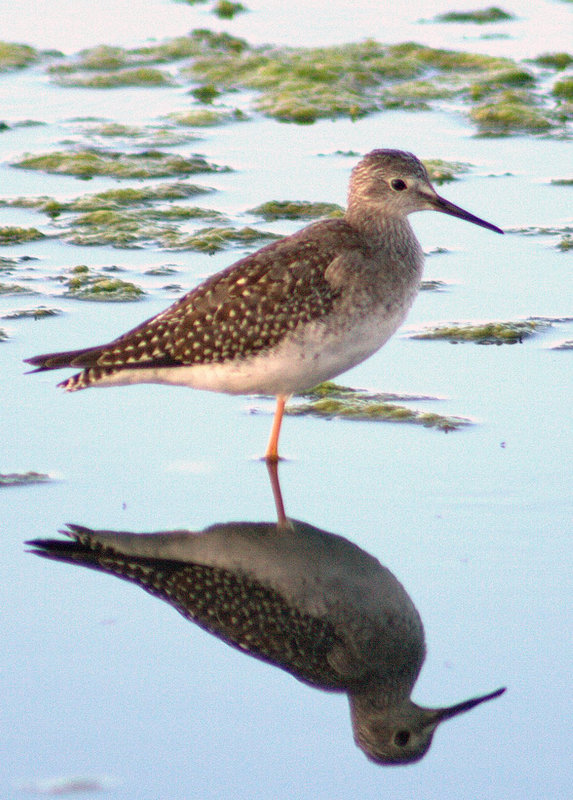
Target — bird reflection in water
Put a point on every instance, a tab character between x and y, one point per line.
295	596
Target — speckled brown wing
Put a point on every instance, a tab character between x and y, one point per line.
245	309
237	609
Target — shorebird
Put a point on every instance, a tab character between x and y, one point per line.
297	312
307	601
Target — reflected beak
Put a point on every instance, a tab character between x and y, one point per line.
441	204
440	714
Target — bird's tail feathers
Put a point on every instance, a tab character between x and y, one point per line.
86	357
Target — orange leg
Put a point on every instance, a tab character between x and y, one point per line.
272	453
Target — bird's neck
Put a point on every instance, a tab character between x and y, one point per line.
392	234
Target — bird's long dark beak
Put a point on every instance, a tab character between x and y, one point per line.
440	714
441	204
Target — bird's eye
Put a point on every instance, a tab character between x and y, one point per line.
398	184
401	738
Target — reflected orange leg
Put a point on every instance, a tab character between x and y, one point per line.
273	469
272	453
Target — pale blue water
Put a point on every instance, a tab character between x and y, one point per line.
99	679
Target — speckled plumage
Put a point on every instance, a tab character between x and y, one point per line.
295	596
295	313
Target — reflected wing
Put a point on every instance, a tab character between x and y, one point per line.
243	612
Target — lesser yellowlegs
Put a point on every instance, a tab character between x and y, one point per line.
295	313
295	596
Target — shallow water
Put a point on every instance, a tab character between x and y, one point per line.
102	681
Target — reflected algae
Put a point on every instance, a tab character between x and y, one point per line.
484	333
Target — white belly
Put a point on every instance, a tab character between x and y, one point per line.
299	363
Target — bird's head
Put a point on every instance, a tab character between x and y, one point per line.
401	733
397	183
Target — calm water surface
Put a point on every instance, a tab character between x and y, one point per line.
101	682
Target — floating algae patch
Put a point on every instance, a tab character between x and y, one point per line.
433	286
10	234
14	288
129	228
479	17
305	84
3	335
302	85
205	94
10	265
224	9
557	61
118	228
211	240
509	112
543	230
106	58
565	243
206	117
16	56
39	312
484	333
416	95
23	478
101	57
85	284
151	136
440	171
562	181
147	77
505	78
330	400
564	89
161	271
131	196
293	209
90	162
